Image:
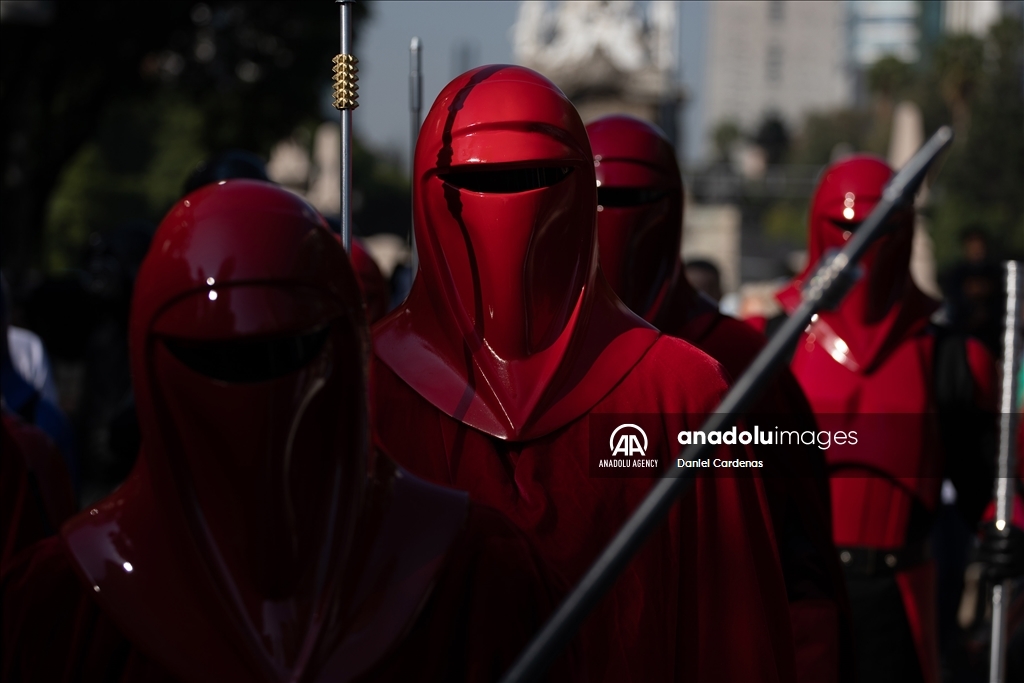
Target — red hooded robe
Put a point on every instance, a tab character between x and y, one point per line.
249	544
867	367
640	218
511	346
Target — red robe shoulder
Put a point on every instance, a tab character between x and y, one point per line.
492	594
707	580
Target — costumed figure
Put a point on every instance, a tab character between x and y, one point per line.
510	363
640	219
250	543
922	403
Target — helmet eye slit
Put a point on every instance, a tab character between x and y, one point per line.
505	181
850	226
245	361
620	197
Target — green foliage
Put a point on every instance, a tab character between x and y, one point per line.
133	169
890	77
786	221
827	134
725	135
983	178
111	103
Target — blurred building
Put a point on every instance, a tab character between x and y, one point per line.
782	58
607	57
973	16
878	29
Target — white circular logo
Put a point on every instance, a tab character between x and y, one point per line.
628	443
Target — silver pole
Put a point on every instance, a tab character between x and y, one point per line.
1006	473
346	130
415	107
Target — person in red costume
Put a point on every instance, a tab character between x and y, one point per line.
873	365
250	543
511	345
640	218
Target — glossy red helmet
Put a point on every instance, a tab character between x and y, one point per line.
509	326
884	305
848	191
640	210
248	348
504	204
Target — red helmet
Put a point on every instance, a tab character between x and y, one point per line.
502	322
248	346
504	208
848	191
640	210
884	305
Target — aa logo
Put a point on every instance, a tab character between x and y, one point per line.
626	440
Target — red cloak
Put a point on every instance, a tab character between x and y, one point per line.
640	218
248	543
867	366
509	350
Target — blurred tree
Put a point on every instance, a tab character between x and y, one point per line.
773	138
889	80
982	179
725	136
136	93
826	135
958	61
890	77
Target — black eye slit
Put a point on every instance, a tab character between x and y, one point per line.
618	197
249	360
850	226
506	181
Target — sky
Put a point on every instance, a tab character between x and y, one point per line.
460	35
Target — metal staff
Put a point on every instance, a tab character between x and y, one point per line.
825	290
1006	474
415	107
346	94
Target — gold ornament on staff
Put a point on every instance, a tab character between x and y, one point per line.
346	82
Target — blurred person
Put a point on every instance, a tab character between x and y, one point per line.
973	288
704	276
28	400
921	396
232	163
511	347
640	195
251	542
106	418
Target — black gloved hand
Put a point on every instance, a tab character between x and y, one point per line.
1002	554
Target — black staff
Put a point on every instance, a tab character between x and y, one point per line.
826	289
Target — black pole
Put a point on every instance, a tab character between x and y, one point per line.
826	289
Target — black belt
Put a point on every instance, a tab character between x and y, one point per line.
862	561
